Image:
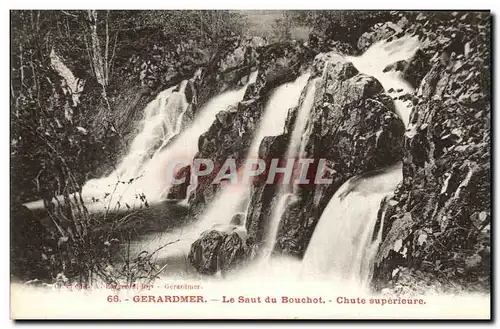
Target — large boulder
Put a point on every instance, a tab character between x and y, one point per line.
219	249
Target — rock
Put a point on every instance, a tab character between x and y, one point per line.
413	70
220	249
231	134
446	184
238	219
421	17
416	68
263	198
467	49
398	66
403	22
354	128
204	252
222	117
232	253
178	191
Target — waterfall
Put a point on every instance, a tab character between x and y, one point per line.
232	197
301	121
159	125
344	244
342	247
284	199
271	124
376	58
186	146
294	151
141	174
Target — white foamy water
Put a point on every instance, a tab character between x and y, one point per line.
375	59
150	178
228	202
294	147
342	247
160	124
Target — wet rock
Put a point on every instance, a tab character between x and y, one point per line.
204	252
231	135
219	249
238	219
398	66
264	196
222	117
416	68
354	128
178	191
232	253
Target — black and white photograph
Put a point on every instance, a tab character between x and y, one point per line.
250	164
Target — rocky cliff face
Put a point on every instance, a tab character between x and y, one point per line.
437	226
353	126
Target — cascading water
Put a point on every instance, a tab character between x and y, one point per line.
227	203
376	58
294	151
159	125
342	247
149	176
271	124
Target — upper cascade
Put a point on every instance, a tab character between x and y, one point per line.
375	62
